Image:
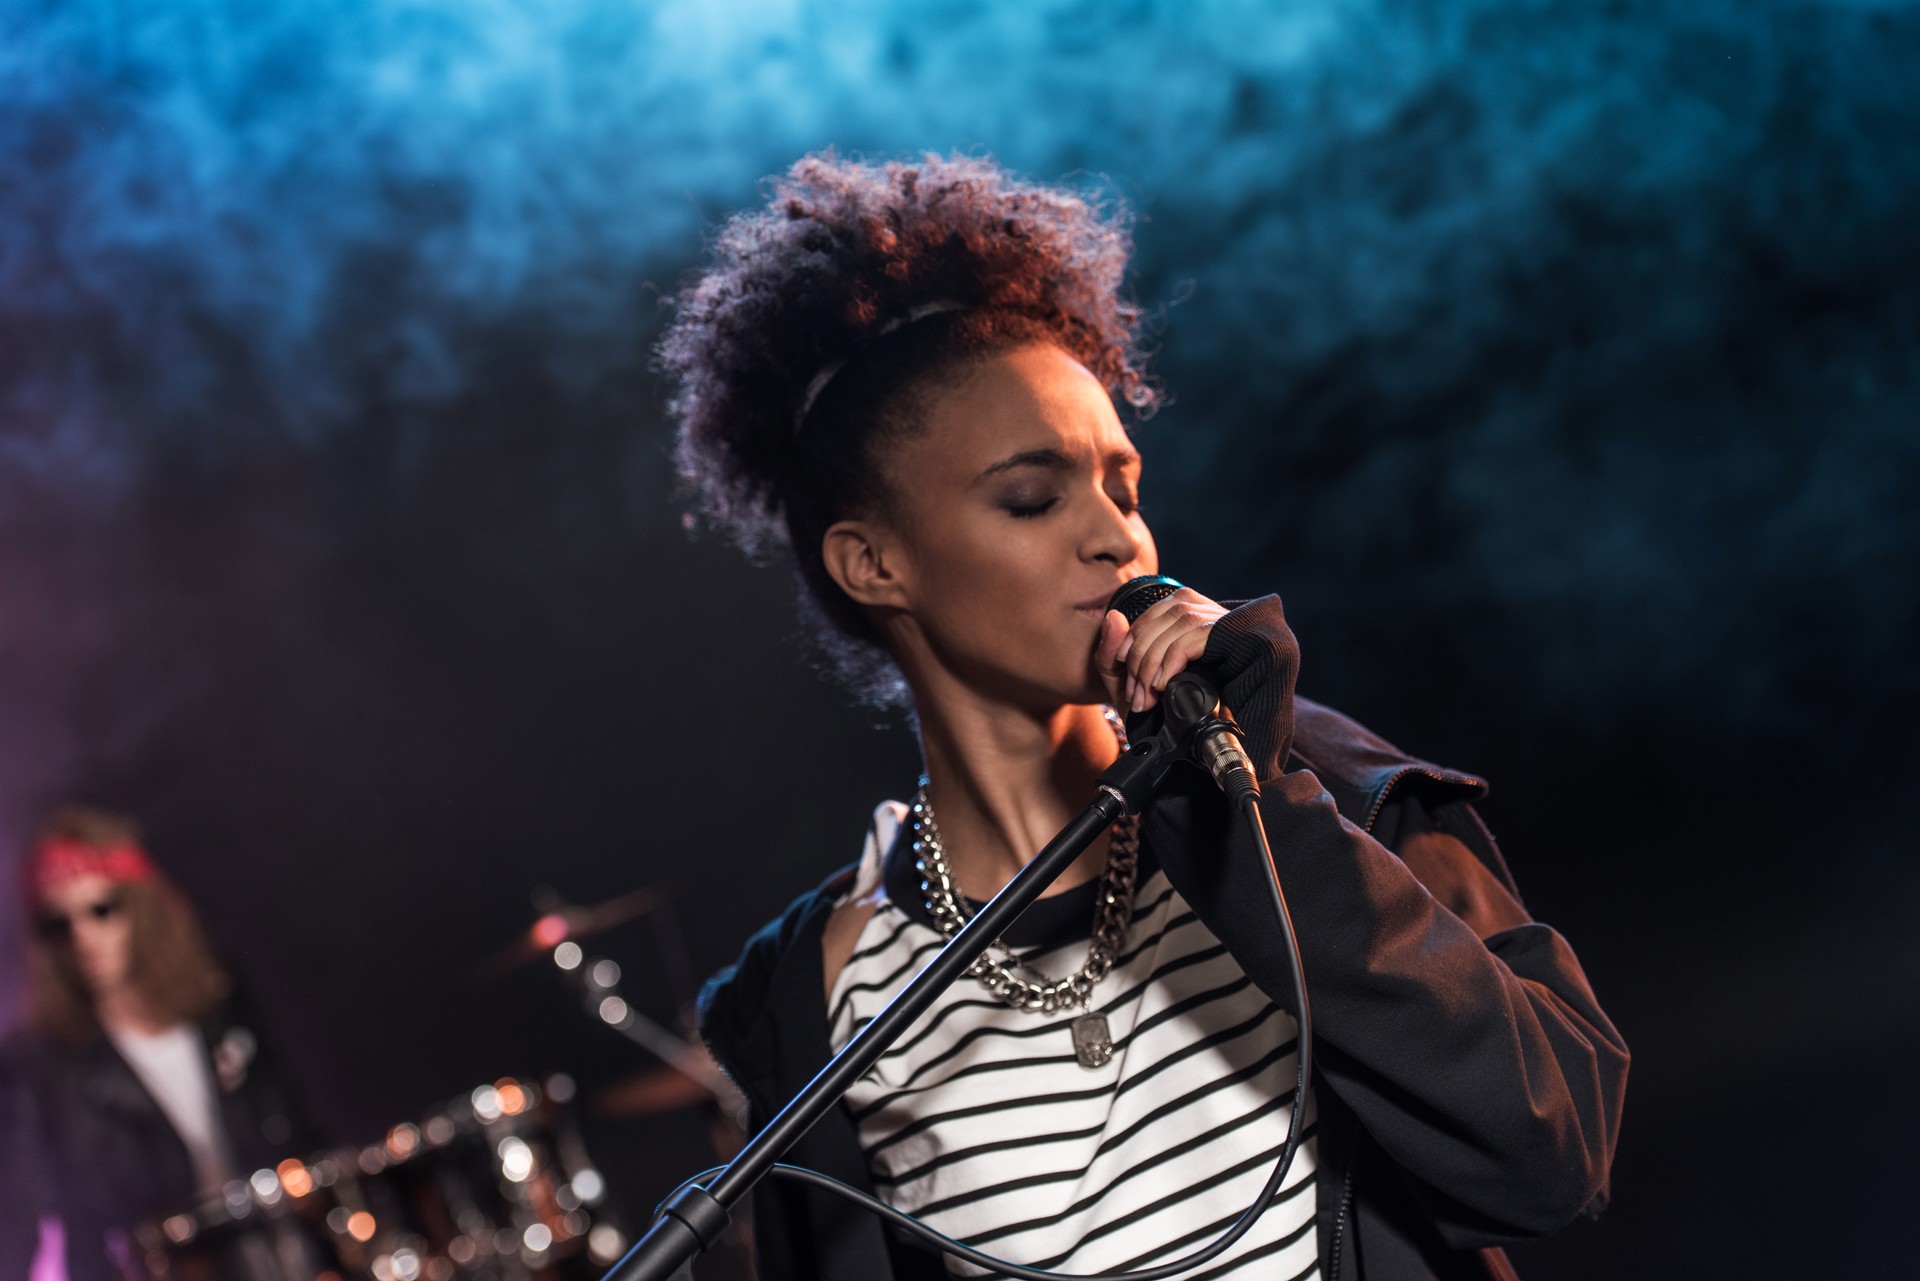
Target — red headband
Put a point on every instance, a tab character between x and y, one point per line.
58	859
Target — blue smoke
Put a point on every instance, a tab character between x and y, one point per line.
1557	361
1601	298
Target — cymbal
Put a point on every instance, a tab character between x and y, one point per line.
690	1079
662	1089
564	923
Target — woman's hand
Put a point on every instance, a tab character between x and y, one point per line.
1137	662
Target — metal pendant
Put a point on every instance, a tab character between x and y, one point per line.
1092	1043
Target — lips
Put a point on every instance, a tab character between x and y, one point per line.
1097	604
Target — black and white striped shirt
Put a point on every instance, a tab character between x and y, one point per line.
981	1122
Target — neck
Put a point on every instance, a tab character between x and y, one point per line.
124	1010
1003	782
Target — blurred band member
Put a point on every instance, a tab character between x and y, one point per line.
140	1090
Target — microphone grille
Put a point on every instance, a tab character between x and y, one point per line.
1138	595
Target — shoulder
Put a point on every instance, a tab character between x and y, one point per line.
47	1075
736	999
1416	808
858	903
1363	771
781	970
845	924
28	1056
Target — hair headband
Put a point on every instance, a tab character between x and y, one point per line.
59	859
819	382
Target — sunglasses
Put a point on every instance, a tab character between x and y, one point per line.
60	925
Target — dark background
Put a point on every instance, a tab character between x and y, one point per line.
1556	361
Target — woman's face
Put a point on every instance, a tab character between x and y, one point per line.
1018	515
87	917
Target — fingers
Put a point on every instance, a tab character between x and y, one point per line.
1170	656
1161	643
1106	658
1112	644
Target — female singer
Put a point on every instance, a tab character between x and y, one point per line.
142	1090
906	376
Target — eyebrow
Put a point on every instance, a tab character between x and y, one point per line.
1053	460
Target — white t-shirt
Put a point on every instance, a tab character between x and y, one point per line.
174	1067
982	1122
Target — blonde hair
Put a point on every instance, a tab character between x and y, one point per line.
170	963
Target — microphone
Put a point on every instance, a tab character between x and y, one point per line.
1191	701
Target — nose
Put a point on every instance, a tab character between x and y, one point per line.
1112	536
93	937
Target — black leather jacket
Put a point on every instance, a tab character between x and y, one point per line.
81	1140
1469	1085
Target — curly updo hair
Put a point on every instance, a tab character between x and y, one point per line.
887	281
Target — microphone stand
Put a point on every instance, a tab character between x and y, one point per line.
692	1220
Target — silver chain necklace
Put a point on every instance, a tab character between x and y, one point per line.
1112	913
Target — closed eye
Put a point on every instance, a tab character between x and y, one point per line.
1027	511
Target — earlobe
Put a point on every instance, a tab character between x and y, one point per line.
863	563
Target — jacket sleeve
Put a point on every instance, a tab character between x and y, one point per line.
21	1174
1484	1067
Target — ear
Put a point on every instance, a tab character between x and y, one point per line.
866	560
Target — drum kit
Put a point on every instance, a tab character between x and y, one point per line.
495	1185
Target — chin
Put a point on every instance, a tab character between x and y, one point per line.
1093	691
1043	693
1051	671
101	979
1089	690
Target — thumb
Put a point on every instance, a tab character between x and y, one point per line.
1114	630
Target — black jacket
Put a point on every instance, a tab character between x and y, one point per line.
81	1140
1469	1085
